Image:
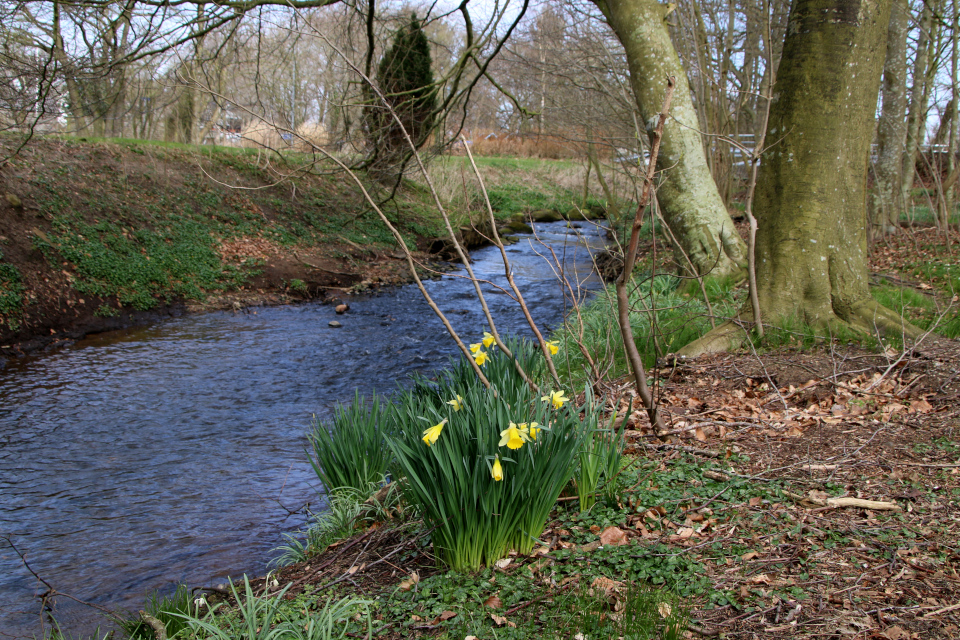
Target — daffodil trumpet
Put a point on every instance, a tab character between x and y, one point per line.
431	435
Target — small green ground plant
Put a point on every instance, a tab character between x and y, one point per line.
11	295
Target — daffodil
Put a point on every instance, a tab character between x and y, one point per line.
430	435
497	471
514	436
481	358
557	398
456	403
553	347
475	347
534	430
488	339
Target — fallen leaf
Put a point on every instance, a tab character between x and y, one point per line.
920	406
664	609
854	626
699	434
895	633
500	621
755	501
761	578
613	536
503	563
446	615
416	618
494	602
750	555
410	582
609	586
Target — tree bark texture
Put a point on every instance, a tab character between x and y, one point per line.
688	197
892	127
811	196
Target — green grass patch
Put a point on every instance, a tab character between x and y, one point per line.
137	266
662	319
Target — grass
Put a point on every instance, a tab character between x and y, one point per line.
350	452
138	222
169	610
663	320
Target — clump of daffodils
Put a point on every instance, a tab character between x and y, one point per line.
489	470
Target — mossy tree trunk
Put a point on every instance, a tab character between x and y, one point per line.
811	192
688	198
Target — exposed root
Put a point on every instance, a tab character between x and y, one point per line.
867	317
729	336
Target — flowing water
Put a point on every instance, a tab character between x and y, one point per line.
140	458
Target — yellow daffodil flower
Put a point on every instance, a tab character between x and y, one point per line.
553	347
534	430
475	347
481	358
430	435
514	436
497	471
456	403
488	339
557	398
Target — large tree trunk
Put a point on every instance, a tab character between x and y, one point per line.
892	127
811	193
688	198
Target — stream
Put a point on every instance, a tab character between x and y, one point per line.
137	459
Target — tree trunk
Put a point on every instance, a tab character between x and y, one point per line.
917	115
811	195
688	197
892	127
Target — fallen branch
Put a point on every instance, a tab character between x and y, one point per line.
839	503
159	629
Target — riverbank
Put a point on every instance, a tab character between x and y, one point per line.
757	515
104	235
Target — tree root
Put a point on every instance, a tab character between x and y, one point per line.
729	336
866	316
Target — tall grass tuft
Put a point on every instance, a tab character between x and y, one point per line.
169	610
262	618
485	494
350	451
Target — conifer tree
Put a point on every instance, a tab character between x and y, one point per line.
405	78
